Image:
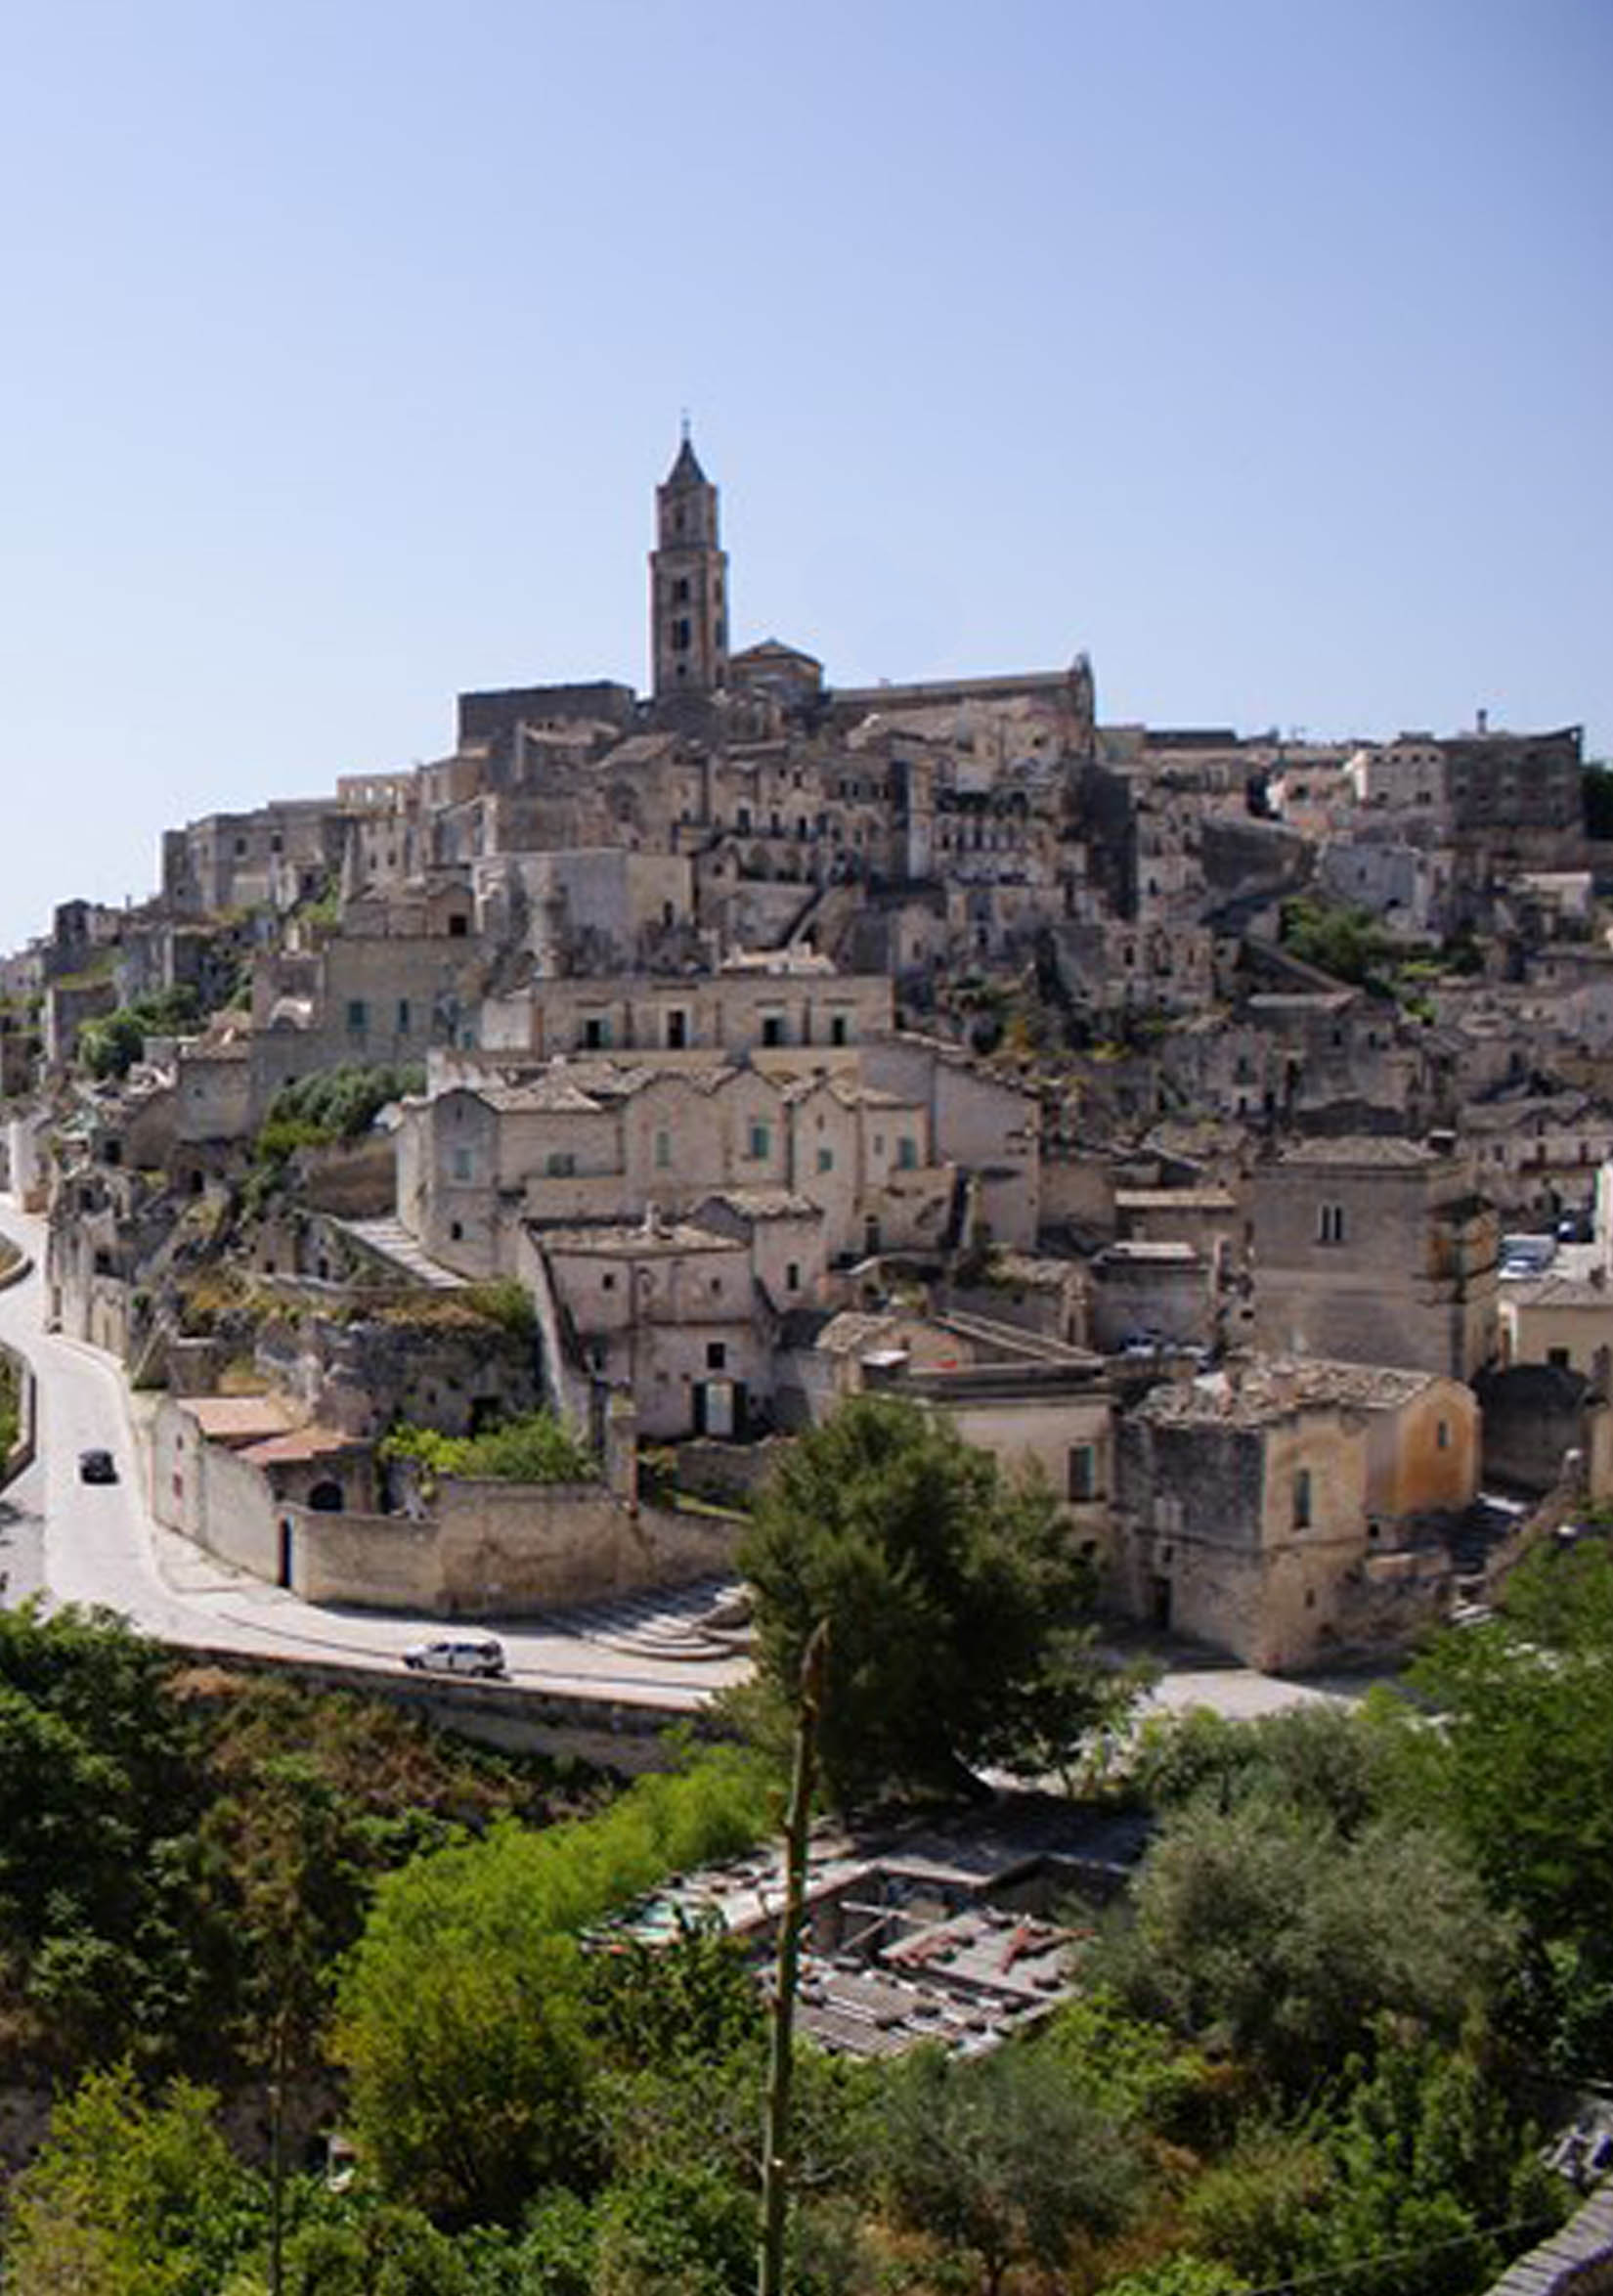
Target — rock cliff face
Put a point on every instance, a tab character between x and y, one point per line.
457	1375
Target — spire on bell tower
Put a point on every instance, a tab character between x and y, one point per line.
688	582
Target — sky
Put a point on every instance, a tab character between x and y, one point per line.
1263	352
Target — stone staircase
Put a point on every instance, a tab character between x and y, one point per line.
389	1240
707	1620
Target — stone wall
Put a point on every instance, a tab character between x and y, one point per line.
503	1550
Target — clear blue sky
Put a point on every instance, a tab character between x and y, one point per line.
1262	349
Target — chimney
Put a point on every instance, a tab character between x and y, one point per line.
1483	721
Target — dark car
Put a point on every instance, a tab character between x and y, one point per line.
97	1467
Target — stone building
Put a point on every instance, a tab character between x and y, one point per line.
688	584
1376	1251
666	1310
1287	1511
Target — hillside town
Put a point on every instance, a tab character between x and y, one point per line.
1217	1119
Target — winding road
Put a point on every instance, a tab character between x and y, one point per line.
78	1542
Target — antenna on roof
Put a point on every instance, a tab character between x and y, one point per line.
684	425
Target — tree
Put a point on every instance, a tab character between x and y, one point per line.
1522	1767
130	2198
1261	1931
1427	2152
465	2008
680	2231
1178	2275
1000	2156
950	1592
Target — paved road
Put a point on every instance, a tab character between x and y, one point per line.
97	1543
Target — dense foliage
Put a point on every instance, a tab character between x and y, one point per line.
464	2010
111	1045
331	1105
175	1843
1318	2044
536	1449
955	1599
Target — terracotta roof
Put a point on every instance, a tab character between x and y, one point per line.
224	1419
299	1444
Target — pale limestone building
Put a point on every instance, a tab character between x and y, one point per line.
1376	1251
1290	1510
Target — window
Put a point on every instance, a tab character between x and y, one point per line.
681	591
716	1355
792	1276
680	634
663	1151
1083	1472
403	1016
826	1160
838	1029
463	1169
907	1153
677	1029
562	1164
358	1016
607	1281
760	1141
1303	1499
597	1033
773	1028
1330	1224
1442	1435
1558	1359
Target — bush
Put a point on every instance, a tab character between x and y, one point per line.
539	1449
336	1104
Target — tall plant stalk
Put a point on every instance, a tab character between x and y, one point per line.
775	2155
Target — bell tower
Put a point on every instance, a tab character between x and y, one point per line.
688	584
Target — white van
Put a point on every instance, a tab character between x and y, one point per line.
460	1653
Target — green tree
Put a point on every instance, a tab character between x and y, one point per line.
130	2198
1261	1931
367	2248
1521	1766
1328	1761
1179	2276
952	1595
683	2231
1427	2154
1347	942
1000	2157
465	2017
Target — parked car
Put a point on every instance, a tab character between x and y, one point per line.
97	1466
1527	1255
460	1653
